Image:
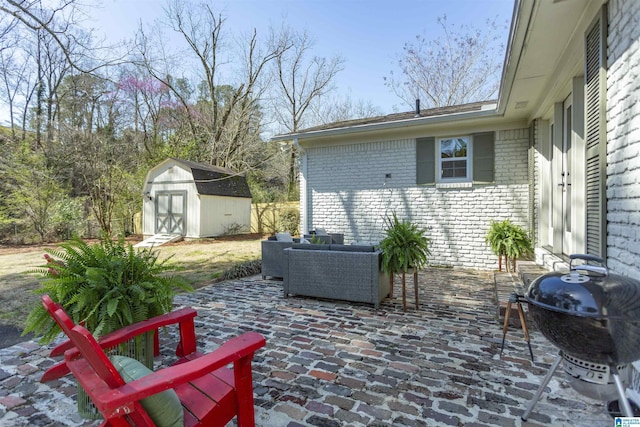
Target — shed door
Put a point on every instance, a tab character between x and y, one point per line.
171	212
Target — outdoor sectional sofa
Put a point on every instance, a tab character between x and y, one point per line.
273	256
342	272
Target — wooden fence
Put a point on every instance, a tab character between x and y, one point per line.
267	218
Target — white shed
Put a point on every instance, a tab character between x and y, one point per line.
194	200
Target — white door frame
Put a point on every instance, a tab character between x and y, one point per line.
566	175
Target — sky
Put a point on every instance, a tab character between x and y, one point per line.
368	34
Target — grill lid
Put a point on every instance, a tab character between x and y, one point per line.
587	291
569	293
588	313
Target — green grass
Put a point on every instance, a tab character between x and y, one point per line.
201	263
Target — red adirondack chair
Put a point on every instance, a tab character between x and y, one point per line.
211	394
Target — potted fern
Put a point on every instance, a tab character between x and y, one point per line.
405	247
106	286
508	240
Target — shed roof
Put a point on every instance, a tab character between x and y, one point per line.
217	181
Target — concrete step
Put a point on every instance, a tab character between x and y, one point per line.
158	240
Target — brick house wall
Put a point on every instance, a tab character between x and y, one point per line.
350	194
623	138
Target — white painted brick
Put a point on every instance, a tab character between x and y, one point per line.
623	138
351	196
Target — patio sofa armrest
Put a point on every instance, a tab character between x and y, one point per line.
273	257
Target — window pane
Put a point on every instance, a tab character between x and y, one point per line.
451	148
460	147
460	169
454	169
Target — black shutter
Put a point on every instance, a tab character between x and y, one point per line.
483	157
426	160
596	159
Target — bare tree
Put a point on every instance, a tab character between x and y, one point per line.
224	120
58	19
14	73
302	79
143	99
461	66
338	108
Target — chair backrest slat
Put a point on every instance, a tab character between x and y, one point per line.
92	353
56	311
85	343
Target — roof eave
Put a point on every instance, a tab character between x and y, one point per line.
412	122
520	21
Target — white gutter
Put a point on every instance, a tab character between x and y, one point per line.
521	20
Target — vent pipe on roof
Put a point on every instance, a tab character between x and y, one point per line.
417	108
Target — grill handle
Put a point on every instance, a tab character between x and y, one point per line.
600	269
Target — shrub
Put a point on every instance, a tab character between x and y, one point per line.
243	269
67	218
290	221
233	229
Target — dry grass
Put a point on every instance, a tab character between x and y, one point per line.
200	262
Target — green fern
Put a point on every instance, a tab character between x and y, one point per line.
405	246
509	240
106	286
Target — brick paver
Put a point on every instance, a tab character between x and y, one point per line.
329	363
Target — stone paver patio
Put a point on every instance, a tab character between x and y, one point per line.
330	363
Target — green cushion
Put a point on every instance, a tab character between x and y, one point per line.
164	408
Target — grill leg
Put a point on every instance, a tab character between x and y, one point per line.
622	398
525	331
544	383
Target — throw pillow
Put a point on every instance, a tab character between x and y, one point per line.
164	408
284	237
321	232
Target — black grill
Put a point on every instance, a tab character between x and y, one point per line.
593	317
588	313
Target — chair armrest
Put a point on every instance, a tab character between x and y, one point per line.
187	345
237	351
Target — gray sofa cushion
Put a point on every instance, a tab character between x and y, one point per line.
310	246
352	248
284	237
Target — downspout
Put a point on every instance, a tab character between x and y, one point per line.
533	133
304	198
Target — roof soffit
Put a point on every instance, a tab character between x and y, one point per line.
547	52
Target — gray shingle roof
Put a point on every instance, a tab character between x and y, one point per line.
217	181
431	112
